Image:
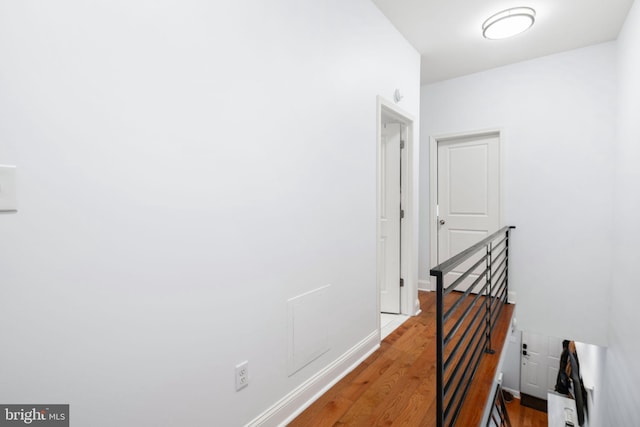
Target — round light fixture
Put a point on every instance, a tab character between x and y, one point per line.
508	23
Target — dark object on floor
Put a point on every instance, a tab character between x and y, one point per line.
508	397
533	402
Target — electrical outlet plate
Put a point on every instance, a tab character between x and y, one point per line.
242	375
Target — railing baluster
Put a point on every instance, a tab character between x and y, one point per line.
488	348
495	295
506	266
440	349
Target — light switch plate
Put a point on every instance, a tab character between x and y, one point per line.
8	189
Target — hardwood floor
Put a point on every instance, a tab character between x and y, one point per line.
522	416
395	386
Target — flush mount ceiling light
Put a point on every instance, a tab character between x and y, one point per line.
508	23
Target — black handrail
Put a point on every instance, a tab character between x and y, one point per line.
453	262
454	376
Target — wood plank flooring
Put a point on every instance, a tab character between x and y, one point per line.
522	416
396	385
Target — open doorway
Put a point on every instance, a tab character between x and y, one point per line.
396	235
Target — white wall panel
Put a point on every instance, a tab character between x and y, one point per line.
622	371
185	168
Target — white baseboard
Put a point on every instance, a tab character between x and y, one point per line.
416	307
290	406
515	393
424	285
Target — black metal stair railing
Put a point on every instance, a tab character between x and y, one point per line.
499	417
481	291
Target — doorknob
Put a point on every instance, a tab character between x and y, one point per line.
442	222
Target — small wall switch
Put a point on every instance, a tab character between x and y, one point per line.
242	375
8	189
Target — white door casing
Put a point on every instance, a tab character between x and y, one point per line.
389	219
468	196
389	112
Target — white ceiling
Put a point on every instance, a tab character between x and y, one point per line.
448	33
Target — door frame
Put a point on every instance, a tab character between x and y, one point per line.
409	303
433	184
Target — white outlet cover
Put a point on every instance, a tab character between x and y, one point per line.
242	375
8	202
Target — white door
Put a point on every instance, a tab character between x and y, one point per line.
389	219
553	361
468	196
540	358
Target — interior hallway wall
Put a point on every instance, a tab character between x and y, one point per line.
622	372
557	116
184	168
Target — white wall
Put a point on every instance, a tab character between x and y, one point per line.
557	117
185	167
511	366
622	374
592	365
